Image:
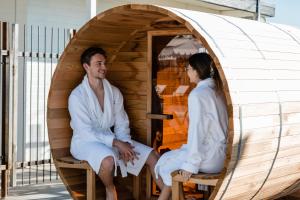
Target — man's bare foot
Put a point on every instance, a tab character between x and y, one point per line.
111	194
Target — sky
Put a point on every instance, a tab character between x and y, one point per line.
287	12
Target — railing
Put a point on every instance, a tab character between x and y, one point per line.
33	55
4	107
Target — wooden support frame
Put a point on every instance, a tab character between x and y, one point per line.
203	179
90	184
72	163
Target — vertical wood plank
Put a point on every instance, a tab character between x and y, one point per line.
136	187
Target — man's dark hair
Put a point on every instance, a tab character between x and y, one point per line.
88	53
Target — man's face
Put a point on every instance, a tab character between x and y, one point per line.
97	67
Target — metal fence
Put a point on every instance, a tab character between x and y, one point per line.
33	54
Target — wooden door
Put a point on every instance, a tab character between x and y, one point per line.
168	89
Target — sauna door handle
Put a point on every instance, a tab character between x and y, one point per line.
159	116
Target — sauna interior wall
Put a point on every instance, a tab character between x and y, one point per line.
124	37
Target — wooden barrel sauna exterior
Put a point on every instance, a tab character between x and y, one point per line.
259	64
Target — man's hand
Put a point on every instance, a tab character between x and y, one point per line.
185	174
126	151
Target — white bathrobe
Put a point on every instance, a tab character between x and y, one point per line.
206	144
92	135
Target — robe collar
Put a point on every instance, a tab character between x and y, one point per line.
209	82
104	118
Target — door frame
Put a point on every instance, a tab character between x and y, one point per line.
150	35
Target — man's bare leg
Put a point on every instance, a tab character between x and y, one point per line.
151	162
106	175
165	190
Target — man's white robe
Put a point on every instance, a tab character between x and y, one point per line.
92	135
206	144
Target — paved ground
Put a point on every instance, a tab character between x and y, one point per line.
57	191
51	191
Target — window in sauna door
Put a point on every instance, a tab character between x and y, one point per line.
171	87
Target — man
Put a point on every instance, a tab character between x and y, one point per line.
95	107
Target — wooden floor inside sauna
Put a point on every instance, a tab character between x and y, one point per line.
124	190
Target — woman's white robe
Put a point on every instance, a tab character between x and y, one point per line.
206	144
92	135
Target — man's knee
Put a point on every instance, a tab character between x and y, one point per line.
108	164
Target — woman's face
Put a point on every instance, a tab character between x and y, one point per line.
192	74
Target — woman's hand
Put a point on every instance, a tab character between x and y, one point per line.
126	151
185	174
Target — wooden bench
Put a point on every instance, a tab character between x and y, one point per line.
72	163
201	178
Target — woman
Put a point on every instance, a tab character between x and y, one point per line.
206	144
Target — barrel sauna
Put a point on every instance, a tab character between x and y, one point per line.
259	64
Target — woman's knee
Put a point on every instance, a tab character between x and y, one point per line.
108	163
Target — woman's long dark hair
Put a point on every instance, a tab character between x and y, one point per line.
206	68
